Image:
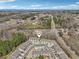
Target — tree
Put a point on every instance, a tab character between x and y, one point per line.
8	45
41	57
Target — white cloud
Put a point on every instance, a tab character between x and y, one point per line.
14	6
74	6
2	1
8	7
77	2
36	5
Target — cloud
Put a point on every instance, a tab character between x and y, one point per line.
14	6
77	2
9	7
36	5
2	1
74	6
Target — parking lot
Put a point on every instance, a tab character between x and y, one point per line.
35	47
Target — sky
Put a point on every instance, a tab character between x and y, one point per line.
40	4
